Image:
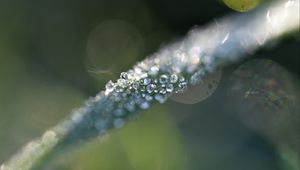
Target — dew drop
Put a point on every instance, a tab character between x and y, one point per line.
148	97
146	81
144	105
150	88
109	87
170	88
101	124
173	78
135	85
181	79
142	88
118	123
162	91
130	106
163	79
124	75
153	71
182	86
160	98
122	83
119	112
77	117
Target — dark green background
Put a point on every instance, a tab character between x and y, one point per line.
45	72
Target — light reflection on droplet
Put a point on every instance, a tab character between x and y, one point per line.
201	91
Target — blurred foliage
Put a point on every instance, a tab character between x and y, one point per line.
54	54
242	5
150	143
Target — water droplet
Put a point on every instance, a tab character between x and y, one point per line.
153	71
109	87
173	78
181	79
182	86
122	83
148	97
160	98
124	75
119	112
130	106
77	117
135	85
150	88
170	88
118	123
108	106
162	91
144	105
142	88
163	79
146	81
101	124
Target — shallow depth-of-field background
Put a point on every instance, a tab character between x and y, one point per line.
54	54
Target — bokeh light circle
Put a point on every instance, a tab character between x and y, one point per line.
112	46
201	91
265	96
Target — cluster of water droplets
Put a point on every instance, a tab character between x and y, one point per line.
136	90
150	81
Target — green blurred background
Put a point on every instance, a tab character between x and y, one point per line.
54	54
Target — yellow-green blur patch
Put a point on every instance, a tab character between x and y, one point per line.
290	159
149	143
242	5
